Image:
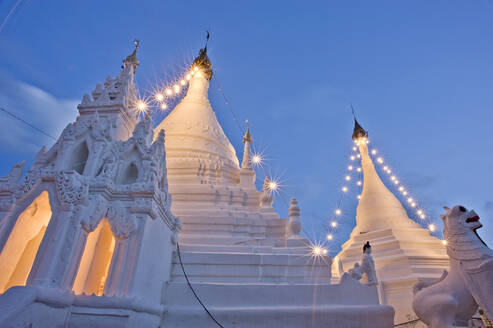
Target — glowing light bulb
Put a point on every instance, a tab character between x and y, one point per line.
169	92
389	171
141	106
316	250
432	227
380	160
444	242
330	237
374	151
419	212
348	178
344	189
392	178
359	183
272	185
385	168
183	82
401	188
256	159
422	216
359	197
176	88
163	106
396	181
350	167
325	251
188	76
352	158
195	69
413	204
404	193
409	200
358	155
354	148
159	96
338	212
333	224
358	169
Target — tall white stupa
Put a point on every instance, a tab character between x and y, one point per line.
240	257
403	251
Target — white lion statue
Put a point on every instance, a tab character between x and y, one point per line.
451	300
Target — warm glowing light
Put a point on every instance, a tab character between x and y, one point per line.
409	200
350	167
169	92
325	251
389	171
392	178
432	227
348	178
380	160
422	216
183	82
344	189
333	224
374	151
354	148
316	250
256	159
359	196
177	88
359	183
188	76
273	185
385	168
352	158
358	155
338	212
159	96
358	169
396	181
401	188
195	69
141	106
419	212
163	106
444	242
404	193
330	237
413	204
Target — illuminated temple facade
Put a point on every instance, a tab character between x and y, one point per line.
104	225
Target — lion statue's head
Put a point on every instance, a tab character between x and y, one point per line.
459	221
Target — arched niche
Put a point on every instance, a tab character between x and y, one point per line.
130	174
95	262
78	158
20	250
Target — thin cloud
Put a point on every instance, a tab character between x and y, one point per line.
37	107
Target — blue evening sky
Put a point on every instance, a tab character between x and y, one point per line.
419	74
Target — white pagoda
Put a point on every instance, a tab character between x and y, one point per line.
403	251
90	238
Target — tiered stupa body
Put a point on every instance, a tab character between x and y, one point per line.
403	251
234	248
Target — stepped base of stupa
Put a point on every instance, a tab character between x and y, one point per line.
402	258
248	274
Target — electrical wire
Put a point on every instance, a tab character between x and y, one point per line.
193	291
27	123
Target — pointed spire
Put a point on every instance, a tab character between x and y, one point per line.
132	58
378	208
358	131
202	60
247	140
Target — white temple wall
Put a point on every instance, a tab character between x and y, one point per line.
154	260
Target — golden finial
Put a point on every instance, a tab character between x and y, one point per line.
247	137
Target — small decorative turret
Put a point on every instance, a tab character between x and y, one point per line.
266	200
294	225
132	58
247	140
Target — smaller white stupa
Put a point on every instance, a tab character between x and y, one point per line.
403	251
